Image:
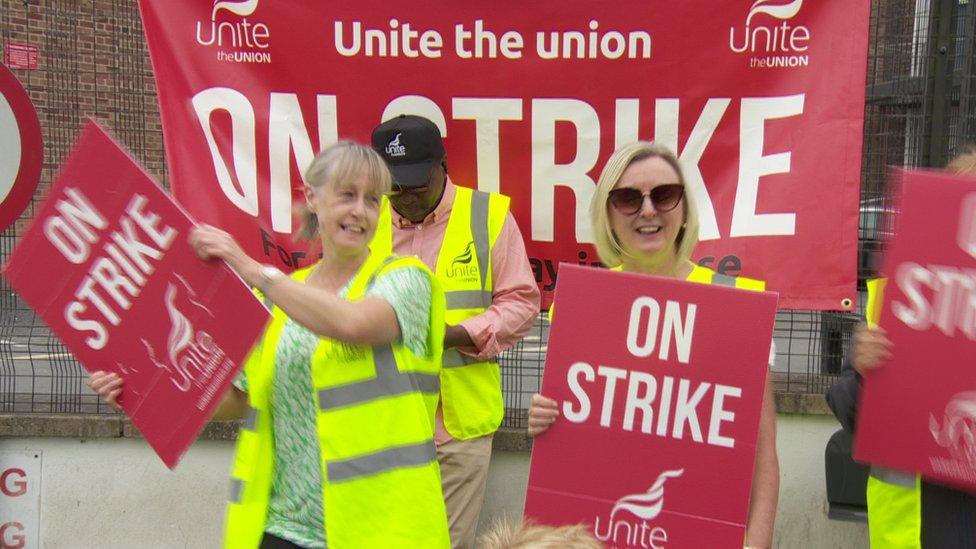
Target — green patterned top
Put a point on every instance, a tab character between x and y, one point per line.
295	510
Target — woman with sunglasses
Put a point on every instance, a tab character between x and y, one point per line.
644	221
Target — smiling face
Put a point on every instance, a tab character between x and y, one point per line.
649	235
347	211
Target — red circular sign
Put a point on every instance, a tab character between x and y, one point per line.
21	149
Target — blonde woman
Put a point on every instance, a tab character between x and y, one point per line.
644	221
338	396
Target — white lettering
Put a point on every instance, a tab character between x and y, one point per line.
642	395
753	165
720	414
243	193
71	232
572	379
674	327
547	175
487	113
612	376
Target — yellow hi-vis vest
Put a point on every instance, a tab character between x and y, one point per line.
381	483
704	275
894	498
471	392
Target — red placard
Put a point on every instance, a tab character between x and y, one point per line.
21	149
660	387
19	55
763	102
107	265
918	412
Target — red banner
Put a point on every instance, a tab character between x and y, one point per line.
661	396
918	412
763	103
106	264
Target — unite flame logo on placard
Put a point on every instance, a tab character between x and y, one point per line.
236	40
642	507
779	45
957	431
191	354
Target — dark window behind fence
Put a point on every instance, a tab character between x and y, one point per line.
920	109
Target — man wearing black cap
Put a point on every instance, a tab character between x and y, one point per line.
471	242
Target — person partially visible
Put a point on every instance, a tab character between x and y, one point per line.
644	221
904	510
512	535
339	394
472	243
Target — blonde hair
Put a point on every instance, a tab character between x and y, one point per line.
510	535
341	162
607	245
965	162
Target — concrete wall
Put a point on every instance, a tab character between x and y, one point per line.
114	492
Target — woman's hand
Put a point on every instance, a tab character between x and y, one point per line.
108	387
872	349
209	242
212	243
542	412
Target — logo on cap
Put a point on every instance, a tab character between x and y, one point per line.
395	148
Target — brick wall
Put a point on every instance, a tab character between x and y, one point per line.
93	62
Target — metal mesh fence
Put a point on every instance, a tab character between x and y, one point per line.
92	62
920	109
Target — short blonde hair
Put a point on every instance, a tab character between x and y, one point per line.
965	162
340	162
510	535
607	245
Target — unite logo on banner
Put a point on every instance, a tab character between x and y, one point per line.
772	45
645	506
236	39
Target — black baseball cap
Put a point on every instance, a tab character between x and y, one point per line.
410	145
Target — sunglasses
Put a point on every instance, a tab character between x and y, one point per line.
629	201
398	190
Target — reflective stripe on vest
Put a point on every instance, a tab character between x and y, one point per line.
704	275
467	299
454	359
236	489
375	432
384	460
388	382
